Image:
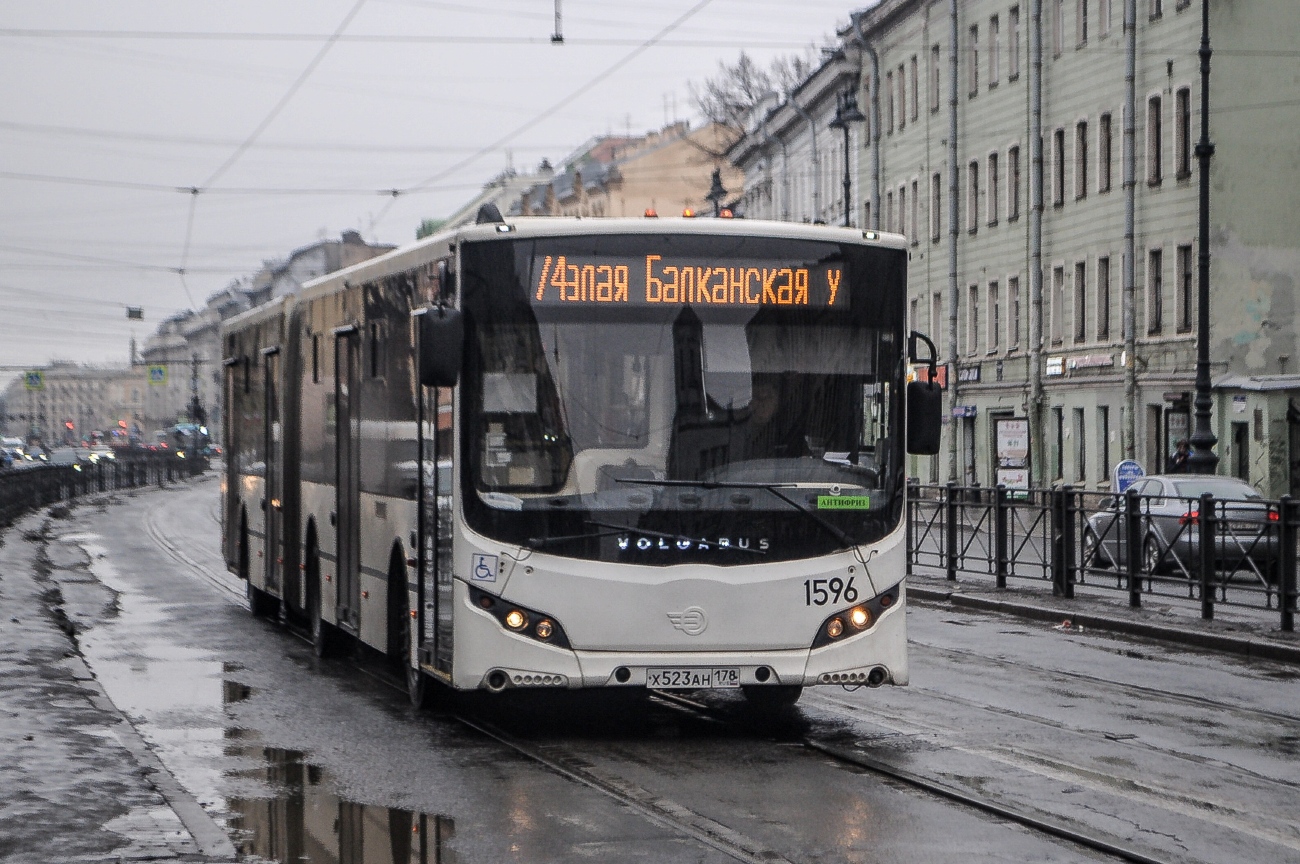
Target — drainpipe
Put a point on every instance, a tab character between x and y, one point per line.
953	234
1130	250
861	39
816	160
1036	398
785	169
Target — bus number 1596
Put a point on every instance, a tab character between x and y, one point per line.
819	592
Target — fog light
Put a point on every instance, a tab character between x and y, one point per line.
886	600
516	620
544	629
834	628
859	617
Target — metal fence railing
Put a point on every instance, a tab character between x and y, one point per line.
33	486
1221	552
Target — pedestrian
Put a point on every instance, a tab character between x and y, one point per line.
1178	461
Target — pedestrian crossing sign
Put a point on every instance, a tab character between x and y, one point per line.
35	380
157	375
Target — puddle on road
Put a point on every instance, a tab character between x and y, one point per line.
304	820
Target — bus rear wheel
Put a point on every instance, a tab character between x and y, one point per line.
323	637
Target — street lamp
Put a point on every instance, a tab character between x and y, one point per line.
1203	459
846	112
716	193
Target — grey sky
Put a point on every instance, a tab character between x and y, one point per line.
292	137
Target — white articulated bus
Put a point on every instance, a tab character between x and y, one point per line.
582	453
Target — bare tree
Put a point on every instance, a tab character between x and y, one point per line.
727	97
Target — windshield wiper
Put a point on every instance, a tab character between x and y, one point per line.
546	541
774	488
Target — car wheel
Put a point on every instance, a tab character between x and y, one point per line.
1151	561
1094	557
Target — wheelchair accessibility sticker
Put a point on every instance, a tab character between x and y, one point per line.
483	568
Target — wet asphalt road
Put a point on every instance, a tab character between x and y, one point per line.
1178	756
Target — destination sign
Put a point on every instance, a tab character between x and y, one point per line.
643	280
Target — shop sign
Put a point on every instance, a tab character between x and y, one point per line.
1090	361
1055	366
969	374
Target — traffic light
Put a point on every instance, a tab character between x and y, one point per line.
69	425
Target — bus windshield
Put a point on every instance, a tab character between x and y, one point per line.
660	401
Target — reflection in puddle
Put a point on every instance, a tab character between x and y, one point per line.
306	821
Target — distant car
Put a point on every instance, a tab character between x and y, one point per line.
101	452
1245	540
67	456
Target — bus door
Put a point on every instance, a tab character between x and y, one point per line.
233	441
347	525
271	503
436	578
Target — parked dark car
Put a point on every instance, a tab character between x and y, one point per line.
1246	540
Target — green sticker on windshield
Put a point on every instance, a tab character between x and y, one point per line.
843	502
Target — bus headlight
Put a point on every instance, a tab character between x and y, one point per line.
520	619
854	620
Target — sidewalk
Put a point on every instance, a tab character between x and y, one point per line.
1235	630
77	782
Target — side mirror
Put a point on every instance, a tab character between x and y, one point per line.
442	345
924	403
924	417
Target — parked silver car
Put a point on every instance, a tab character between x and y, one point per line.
1246	537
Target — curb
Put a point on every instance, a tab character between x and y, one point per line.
1252	648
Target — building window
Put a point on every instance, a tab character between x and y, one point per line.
889	102
972	197
1058	26
1154	169
936	315
1105	139
1013	313
1081	160
936	207
902	98
1080	301
936	70
1103	298
1058	167
913	311
889	211
994	47
1103	17
972	319
993	180
902	211
1156	8
1058	415
1103	443
995	317
1155	292
914	213
974	71
1186	296
1013	43
1183	133
1080	448
1013	183
1058	305
1081	22
315	358
916	87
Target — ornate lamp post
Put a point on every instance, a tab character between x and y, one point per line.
846	112
1203	459
716	193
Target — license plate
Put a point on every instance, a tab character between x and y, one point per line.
1252	527
692	678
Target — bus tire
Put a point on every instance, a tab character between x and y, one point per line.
772	697
323	638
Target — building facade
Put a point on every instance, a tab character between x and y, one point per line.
1040	158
